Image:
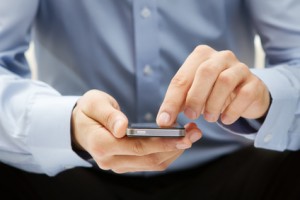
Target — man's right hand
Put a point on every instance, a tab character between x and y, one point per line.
99	127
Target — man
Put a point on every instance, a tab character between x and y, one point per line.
104	64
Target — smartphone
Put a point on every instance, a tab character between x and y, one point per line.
153	130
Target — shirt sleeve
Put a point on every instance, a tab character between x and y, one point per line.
278	26
35	118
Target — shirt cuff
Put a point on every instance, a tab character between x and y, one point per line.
50	138
273	133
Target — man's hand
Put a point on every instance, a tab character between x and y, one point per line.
214	83
99	127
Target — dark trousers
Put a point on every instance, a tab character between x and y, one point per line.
247	174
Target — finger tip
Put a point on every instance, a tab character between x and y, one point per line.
163	119
195	135
226	120
120	128
191	125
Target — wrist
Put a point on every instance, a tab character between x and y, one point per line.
76	147
262	118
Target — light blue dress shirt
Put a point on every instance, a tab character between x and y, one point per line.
131	49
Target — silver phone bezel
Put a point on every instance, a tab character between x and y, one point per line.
155	132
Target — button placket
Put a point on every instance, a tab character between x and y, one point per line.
147	59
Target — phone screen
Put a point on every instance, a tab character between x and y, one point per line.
153	130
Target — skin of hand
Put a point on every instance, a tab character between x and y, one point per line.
99	127
217	85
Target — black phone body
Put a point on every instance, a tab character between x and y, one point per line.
153	130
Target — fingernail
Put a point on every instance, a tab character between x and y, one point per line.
182	146
117	125
210	117
190	113
226	120
164	118
195	136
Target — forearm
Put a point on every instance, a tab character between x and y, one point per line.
35	132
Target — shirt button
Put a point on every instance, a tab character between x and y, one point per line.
67	166
146	12
147	70
148	117
268	138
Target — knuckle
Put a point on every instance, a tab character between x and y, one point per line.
243	67
207	69
92	92
201	48
138	148
112	101
224	79
179	81
228	54
86	106
87	103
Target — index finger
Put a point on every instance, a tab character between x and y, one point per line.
180	84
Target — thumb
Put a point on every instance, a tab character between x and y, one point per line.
104	109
